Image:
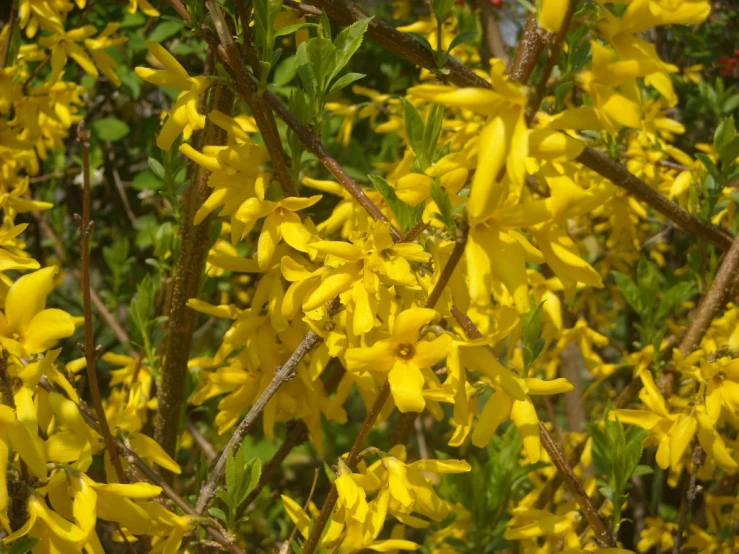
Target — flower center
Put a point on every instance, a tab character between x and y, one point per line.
405	351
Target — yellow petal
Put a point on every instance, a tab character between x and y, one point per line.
523	415
552	14
147	447
496	411
406	386
408	323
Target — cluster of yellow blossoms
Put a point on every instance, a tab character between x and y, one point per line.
527	213
49	489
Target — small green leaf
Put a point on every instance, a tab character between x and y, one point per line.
157	167
24	545
424	42
347	43
218	514
110	129
461	39
345	81
290	29
165	30
414	130
675	296
321	53
642	470
729	151
441	9
630	290
407	215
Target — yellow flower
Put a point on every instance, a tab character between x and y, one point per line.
282	223
97	47
402	357
185	110
25	326
63	45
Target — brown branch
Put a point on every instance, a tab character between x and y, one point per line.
261	112
603	533
205	447
10	26
493	38
619	175
100	306
714	301
398	42
529	50
119	183
691	491
185	285
91	353
181	9
282	374
296	436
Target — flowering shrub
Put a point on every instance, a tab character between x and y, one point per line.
346	282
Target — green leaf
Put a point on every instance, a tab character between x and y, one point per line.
165	30
630	290
218	514
24	545
302	63
642	470
157	167
729	151
461	39
345	81
441	9
650	282
407	215
146	180
424	42
709	165
321	53
254	473
234	473
347	43
443	202
431	132
675	296
290	29
414	130
110	129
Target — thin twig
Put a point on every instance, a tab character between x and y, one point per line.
603	533
619	175
100	306
205	447
699	457
119	184
294	533
91	353
282	374
10	26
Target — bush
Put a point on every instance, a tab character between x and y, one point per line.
485	306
